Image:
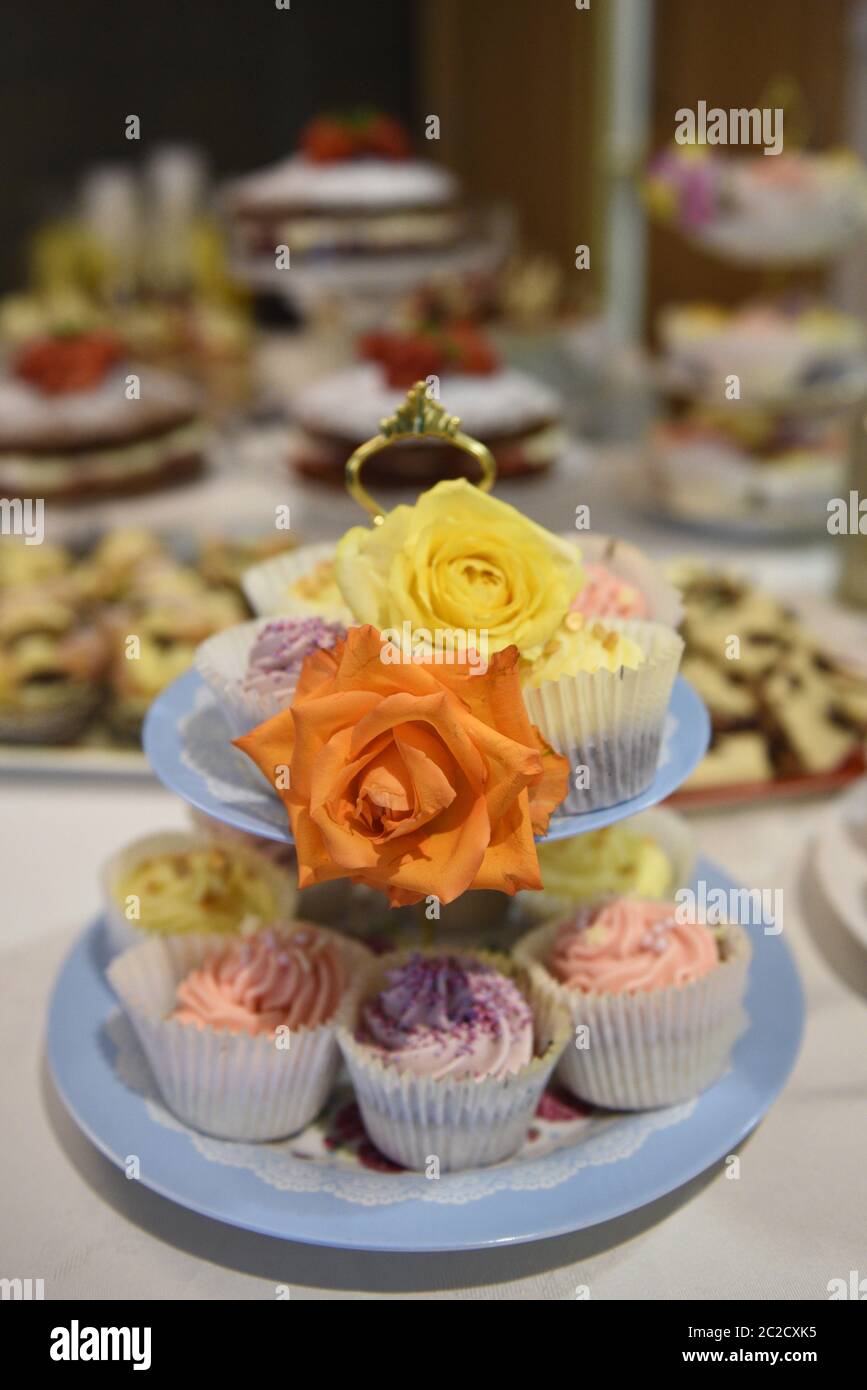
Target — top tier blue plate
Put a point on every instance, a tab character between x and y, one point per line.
187	742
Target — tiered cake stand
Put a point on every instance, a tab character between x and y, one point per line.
326	1186
702	486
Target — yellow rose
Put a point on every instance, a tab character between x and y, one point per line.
460	560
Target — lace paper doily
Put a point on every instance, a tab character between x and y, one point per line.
557	1150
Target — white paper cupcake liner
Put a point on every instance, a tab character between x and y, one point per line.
462	1123
124	932
231	1085
653	1048
630	564
267	586
223	660
610	723
671	832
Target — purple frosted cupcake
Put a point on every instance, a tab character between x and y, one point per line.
253	669
449	1016
449	1057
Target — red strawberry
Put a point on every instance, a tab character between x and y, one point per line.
328	140
472	354
385	136
61	364
413	357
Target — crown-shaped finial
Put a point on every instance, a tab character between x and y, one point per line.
420	414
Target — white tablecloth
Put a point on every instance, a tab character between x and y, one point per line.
793	1221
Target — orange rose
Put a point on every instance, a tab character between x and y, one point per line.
416	779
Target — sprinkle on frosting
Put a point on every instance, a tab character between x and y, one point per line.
628	945
605	595
280	650
263	982
450	1016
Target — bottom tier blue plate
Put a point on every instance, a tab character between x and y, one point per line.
329	1187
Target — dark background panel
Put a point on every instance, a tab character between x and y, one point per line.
238	77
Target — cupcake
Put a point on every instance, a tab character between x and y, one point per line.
449	1055
621	582
300	584
598	693
253	669
656	1002
240	1034
647	856
172	884
52	662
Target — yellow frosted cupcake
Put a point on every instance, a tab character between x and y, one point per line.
174	883
647	856
598	693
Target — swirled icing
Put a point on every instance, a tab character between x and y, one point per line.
264	981
628	945
450	1016
605	595
280	649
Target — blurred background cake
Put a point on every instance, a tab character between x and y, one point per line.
78	418
515	415
352	187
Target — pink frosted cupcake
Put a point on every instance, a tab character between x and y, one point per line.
241	1036
620	581
655	1001
449	1056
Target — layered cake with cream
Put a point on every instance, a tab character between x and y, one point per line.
516	416
76	421
352	187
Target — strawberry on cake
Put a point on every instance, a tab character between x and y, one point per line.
517	417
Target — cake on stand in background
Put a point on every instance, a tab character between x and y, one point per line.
79	419
790	209
142	258
363	220
758	405
516	416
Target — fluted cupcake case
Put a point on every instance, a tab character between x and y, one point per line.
268	586
462	1123
652	1048
621	716
230	1085
223	660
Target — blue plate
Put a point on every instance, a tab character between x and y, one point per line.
572	1173
188	745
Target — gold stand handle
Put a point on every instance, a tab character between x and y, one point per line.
420	417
